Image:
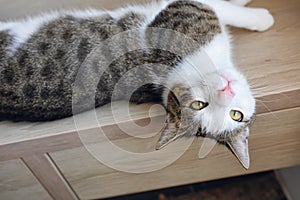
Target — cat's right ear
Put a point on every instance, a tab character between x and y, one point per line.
238	143
171	130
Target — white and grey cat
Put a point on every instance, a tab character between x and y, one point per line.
204	94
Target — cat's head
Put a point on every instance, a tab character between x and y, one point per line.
217	103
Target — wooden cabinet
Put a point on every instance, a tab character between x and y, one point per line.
273	144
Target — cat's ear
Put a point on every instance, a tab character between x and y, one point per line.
239	146
171	131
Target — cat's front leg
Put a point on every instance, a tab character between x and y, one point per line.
256	19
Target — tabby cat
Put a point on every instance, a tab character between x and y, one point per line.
182	46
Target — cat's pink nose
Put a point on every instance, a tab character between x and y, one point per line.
227	89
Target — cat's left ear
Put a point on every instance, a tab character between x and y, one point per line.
239	146
179	117
171	131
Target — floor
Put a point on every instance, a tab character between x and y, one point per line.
290	178
271	185
263	186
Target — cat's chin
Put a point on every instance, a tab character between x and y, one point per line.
223	98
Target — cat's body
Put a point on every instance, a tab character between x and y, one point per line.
40	59
37	76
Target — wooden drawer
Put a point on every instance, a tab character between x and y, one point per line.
17	182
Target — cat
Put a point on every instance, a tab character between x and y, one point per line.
41	57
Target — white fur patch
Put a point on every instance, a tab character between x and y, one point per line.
23	29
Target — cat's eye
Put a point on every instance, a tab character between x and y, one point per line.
198	105
236	115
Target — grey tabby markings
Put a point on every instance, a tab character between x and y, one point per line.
36	83
190	18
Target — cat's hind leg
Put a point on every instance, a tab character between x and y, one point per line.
240	2
256	19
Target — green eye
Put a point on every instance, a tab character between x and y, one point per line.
198	105
236	115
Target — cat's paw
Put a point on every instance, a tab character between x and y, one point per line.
262	21
240	2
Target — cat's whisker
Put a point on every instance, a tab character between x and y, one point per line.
260	83
265	101
258	80
258	86
261	90
270	111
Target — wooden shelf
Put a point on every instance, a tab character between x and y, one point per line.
270	60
